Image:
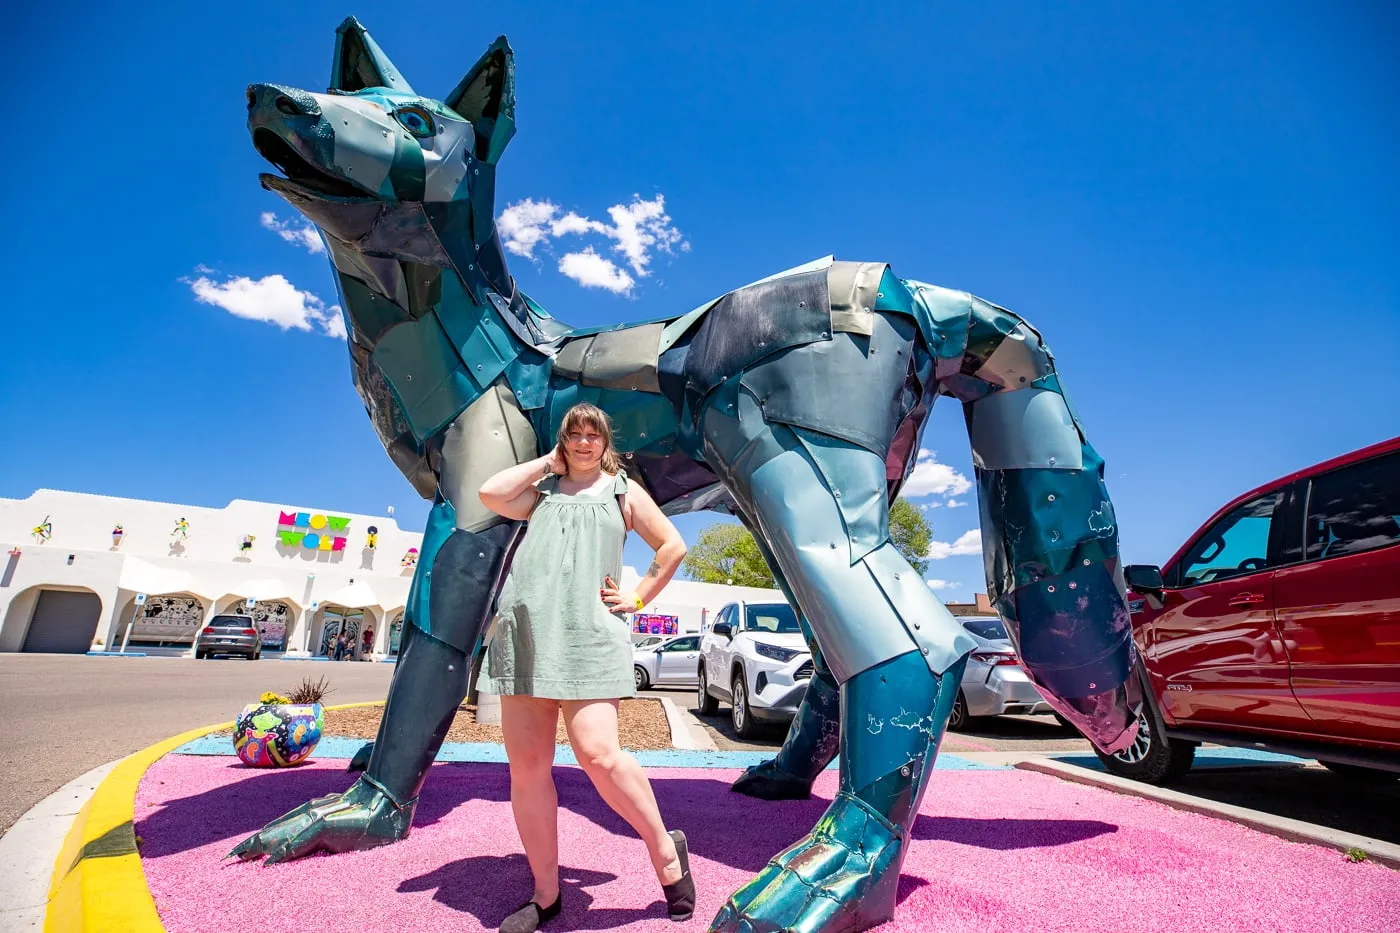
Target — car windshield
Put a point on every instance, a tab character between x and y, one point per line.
777	618
986	628
231	622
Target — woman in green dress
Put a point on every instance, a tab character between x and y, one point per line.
561	643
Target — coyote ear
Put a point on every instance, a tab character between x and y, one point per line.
360	62
486	97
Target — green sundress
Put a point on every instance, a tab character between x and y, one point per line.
553	637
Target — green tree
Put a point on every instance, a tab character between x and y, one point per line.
910	534
727	553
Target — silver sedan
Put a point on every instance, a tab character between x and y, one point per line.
993	683
673	662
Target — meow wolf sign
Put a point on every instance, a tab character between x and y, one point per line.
312	530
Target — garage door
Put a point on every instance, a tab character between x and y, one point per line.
63	622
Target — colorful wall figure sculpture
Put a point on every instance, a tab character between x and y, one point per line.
794	403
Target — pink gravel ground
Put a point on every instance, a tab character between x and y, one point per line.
992	851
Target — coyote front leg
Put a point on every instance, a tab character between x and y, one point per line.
464	557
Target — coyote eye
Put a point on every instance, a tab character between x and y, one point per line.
416	120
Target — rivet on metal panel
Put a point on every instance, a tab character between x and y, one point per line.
904	771
644	434
1093	686
1050	498
833	545
428	575
408	378
879	294
917	625
1054	536
924	650
629	456
825	334
896	576
478	367
1074	586
470	267
1050	588
866	310
802	304
836	493
1052	459
495	433
1086	562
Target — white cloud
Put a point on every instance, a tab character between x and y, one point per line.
637	230
930	477
271	299
593	271
522	226
968	543
956	503
942	584
303	235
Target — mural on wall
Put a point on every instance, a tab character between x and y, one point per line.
372	537
43	531
117	534
312	531
272	618
181	531
168	618
245	547
646	623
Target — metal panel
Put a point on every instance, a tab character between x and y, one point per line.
1018	361
856	480
1024	428
851	387
854	287
568	362
425	374
624	359
754	322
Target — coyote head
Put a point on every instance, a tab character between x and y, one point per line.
371	146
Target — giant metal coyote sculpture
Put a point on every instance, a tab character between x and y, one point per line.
795	403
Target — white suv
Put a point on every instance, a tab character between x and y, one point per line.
754	657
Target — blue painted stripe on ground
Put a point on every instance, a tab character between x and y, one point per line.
1205	758
335	746
116	654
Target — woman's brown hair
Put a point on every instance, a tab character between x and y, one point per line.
584	414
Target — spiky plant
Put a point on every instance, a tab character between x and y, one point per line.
309	691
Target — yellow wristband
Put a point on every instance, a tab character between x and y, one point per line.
636	598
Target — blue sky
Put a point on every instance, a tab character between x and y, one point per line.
1196	206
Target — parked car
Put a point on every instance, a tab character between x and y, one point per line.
229	634
650	641
1277	626
755	658
671	662
993	683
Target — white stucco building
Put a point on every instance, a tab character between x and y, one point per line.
308	570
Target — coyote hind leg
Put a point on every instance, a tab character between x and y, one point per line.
894	649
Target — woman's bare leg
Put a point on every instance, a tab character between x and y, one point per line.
528	726
623	785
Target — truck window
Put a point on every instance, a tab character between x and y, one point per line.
1355	509
1235	545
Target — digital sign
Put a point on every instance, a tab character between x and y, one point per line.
649	624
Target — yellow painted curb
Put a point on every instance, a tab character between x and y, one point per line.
98	884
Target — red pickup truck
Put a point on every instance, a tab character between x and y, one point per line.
1277	626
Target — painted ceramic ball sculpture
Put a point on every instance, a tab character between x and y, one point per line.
276	735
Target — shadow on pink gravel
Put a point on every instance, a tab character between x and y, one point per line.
248	803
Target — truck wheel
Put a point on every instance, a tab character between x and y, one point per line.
957	721
1152	758
741	715
705	704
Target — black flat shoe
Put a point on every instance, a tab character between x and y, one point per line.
531	916
680	896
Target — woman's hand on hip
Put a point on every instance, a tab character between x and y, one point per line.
617	600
